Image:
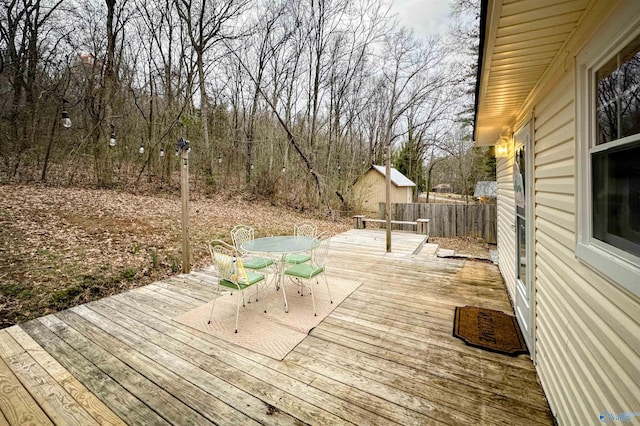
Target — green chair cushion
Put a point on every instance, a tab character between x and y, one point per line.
251	276
257	262
297	258
304	270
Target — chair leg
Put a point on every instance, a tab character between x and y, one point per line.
327	284
258	293
215	296
313	301
284	294
240	296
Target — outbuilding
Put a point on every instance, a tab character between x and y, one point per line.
369	190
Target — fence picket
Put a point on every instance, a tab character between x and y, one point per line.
449	220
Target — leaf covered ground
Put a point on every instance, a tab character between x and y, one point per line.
60	247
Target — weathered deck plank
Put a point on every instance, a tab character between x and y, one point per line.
16	404
77	390
384	356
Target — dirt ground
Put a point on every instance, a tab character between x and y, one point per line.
60	247
476	247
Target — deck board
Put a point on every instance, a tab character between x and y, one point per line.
384	356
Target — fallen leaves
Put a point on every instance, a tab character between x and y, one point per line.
60	247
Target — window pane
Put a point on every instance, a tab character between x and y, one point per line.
616	197
618	96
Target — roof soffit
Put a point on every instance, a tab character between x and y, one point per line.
522	39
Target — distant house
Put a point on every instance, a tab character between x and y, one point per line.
444	188
558	91
486	191
369	189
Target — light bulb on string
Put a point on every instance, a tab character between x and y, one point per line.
251	166
112	136
219	158
161	152
66	121
141	149
284	169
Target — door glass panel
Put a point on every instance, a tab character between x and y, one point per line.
522	249
521	228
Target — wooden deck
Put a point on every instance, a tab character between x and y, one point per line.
384	356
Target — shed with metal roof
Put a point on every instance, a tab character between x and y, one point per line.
369	189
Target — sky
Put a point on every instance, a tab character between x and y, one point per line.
426	17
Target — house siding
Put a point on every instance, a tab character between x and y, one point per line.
506	222
587	335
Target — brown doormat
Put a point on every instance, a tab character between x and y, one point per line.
489	329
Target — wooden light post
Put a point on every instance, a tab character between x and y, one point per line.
182	149
388	196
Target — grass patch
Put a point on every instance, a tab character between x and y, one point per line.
18	291
129	274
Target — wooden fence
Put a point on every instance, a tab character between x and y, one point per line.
450	220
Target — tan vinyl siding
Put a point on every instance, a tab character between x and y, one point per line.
587	329
506	222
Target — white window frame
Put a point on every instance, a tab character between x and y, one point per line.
620	29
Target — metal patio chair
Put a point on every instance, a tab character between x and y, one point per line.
231	274
304	229
240	234
303	273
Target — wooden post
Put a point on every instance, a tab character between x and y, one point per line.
357	221
184	187
388	196
422	226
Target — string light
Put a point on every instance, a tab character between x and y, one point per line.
141	149
66	121
284	169
219	158
161	152
251	166
112	136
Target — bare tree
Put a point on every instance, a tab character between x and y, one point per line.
208	23
22	37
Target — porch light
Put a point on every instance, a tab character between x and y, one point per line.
502	149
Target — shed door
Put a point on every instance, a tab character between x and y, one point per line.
522	184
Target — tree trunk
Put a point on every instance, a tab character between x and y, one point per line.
204	111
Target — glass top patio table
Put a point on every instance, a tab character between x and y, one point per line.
280	244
